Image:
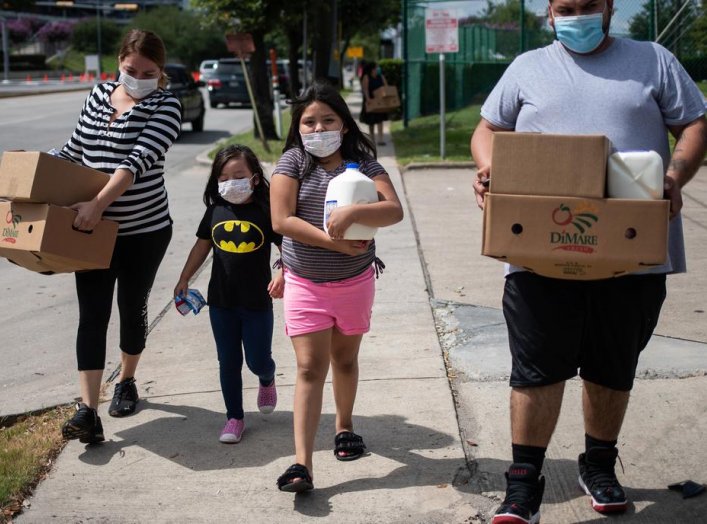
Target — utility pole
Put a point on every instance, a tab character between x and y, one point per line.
5	51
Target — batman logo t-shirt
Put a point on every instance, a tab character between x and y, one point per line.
240	237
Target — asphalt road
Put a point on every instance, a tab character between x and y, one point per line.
40	313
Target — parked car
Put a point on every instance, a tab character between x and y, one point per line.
227	84
206	69
187	91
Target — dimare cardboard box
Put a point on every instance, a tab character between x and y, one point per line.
550	165
575	238
41	237
546	210
33	176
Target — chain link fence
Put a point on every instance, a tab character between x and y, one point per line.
493	33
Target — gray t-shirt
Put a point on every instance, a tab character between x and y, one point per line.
312	262
629	93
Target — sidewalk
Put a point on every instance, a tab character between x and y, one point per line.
165	463
437	303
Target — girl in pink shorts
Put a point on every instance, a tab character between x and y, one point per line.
329	281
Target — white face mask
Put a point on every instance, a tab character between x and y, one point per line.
235	191
138	88
323	143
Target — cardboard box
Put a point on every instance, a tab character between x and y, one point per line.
550	165
41	237
33	176
576	238
385	99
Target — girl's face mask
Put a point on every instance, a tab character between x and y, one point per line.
323	143
236	190
138	88
582	33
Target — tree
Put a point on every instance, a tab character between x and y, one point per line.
257	17
204	41
370	19
84	38
686	37
506	18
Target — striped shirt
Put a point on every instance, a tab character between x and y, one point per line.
137	141
315	263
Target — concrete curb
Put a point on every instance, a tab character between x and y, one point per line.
12	94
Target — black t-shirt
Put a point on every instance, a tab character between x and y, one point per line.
240	273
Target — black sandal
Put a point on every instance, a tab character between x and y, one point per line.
295	479
350	443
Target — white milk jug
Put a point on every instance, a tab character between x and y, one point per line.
635	174
348	188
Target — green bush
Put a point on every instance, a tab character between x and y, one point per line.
84	38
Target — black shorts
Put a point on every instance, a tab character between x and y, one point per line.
599	327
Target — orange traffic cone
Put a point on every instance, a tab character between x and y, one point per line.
63	77
28	79
46	78
71	76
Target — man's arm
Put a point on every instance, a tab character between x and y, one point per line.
481	146
687	156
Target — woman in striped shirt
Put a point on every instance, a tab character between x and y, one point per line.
125	129
329	281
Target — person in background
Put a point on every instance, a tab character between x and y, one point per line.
236	228
586	82
329	281
371	79
124	129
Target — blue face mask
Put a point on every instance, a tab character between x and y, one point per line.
582	33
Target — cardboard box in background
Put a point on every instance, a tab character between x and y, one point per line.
385	99
40	237
33	176
576	238
551	165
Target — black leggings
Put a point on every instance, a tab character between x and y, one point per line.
134	265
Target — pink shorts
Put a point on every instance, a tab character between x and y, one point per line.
344	304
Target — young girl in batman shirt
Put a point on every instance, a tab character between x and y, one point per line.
236	228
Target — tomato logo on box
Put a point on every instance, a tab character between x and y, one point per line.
582	218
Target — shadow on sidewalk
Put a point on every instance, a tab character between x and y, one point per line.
188	436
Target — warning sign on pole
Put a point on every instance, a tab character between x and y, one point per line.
441	31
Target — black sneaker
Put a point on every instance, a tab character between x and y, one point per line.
125	398
598	480
524	493
85	425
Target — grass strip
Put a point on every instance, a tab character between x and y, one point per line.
27	451
419	142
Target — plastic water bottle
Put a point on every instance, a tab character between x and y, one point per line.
348	188
635	174
193	301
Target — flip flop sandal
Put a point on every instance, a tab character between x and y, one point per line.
295	479
350	443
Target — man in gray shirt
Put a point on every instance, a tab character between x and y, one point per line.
633	92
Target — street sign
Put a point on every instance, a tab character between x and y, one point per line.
441	31
240	44
355	52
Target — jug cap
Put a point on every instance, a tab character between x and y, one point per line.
352	165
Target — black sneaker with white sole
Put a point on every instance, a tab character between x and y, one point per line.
85	426
125	399
598	480
524	493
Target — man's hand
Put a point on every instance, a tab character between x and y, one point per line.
481	184
673	193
